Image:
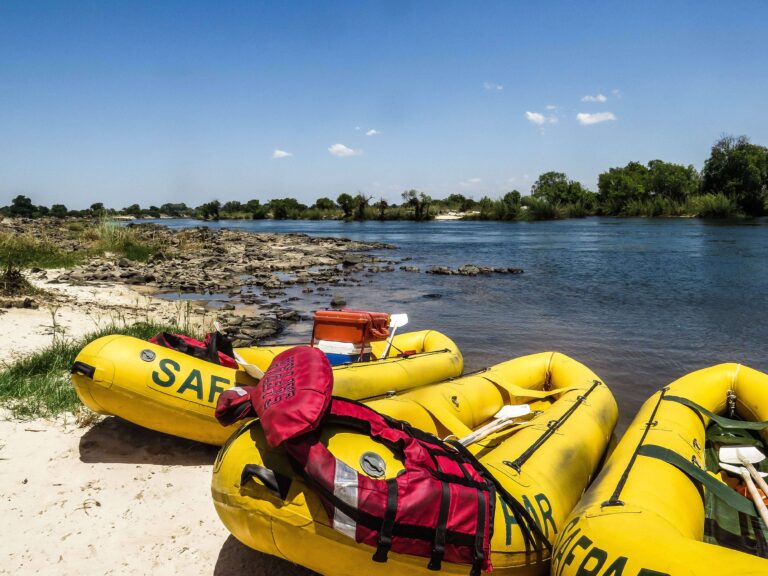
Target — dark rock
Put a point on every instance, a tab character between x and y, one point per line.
410	268
469	270
432	295
258	334
289	315
227	307
441	270
338	301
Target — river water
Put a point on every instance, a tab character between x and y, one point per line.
640	301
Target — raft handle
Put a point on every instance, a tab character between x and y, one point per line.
82	368
278	484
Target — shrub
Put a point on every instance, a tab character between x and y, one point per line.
713	206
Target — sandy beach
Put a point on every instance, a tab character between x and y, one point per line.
113	499
67	310
109	498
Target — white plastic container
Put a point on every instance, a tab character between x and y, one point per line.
344	352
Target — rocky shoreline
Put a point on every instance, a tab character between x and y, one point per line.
241	276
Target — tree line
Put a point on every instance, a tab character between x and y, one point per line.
733	182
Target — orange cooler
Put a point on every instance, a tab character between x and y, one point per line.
355	326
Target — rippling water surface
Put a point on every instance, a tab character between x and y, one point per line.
641	302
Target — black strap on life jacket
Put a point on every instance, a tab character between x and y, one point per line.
217	342
533	535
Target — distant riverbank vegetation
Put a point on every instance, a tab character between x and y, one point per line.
733	183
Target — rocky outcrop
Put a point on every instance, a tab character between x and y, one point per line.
472	270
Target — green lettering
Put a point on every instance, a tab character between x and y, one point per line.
216	389
509	519
617	568
165	365
531	510
546	514
567	536
193	382
596	554
582	542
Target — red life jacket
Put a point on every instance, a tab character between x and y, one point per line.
440	507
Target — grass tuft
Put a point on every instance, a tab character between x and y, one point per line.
39	385
85	241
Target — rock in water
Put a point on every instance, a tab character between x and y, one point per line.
338	301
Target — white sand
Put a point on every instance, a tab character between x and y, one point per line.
113	498
73	311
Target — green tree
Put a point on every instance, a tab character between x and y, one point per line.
285	208
739	170
557	189
671	181
346	203
361	203
257	210
232	207
209	210
420	203
620	186
325	204
509	206
176	210
460	202
132	210
58	210
381	207
21	207
487	208
97	209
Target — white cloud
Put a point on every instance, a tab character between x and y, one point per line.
540	119
357	128
372	132
551	107
281	154
595	98
343	151
491	87
470	182
616	92
585	119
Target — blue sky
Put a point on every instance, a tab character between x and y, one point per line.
126	102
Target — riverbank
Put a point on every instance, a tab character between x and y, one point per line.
185	277
82	484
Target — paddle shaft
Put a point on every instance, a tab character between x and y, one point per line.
755	475
759	504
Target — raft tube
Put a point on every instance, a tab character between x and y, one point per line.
171	392
545	463
644	515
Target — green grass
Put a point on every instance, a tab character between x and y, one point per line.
713	206
29	250
39	385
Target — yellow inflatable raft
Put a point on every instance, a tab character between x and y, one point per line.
168	391
645	514
545	463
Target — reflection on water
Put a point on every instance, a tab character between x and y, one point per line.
641	302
